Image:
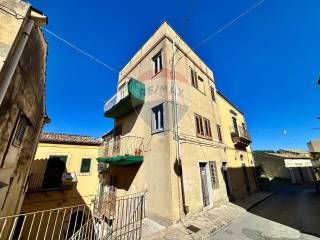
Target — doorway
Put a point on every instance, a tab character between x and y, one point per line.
204	184
56	166
246	179
226	179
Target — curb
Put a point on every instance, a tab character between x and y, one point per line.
261	200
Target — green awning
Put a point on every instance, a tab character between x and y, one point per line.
121	160
134	99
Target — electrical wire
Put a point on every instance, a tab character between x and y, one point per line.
224	27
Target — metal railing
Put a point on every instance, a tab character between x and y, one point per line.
41	182
121	146
85	222
240	132
121	93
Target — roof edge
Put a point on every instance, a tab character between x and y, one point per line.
229	101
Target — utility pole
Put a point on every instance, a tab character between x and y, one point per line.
176	128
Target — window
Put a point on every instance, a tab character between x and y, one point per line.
213	97
200	84
157	63
203	127
235	126
194	79
85	165
21	129
157	118
219	133
214	174
207	128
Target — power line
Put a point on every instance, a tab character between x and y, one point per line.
224	27
80	50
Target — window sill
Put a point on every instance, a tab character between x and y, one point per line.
203	137
84	174
156	132
155	74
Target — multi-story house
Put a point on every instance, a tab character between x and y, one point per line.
23	52
63	174
239	167
167	136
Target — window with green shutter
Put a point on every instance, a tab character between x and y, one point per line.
85	165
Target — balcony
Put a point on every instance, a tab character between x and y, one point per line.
240	137
122	151
128	97
41	182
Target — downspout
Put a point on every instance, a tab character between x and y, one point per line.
4	84
177	135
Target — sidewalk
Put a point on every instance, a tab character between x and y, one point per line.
205	223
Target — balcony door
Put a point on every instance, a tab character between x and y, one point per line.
235	125
56	166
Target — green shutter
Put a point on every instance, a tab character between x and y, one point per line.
85	165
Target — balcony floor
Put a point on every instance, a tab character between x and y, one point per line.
121	160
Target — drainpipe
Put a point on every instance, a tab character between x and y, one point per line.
5	82
176	125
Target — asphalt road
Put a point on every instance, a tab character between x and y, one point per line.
290	214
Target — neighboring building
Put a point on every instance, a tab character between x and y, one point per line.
175	155
23	52
314	148
296	167
239	169
64	173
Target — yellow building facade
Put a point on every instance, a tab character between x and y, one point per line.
239	169
52	186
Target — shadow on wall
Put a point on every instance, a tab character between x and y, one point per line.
124	175
240	182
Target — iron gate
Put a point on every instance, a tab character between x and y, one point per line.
109	218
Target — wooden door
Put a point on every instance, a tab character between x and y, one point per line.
204	185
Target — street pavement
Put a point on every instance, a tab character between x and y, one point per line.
290	214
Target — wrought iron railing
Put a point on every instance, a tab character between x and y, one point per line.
240	132
85	222
121	146
121	93
40	181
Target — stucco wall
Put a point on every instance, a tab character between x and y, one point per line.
24	95
236	158
156	174
85	188
273	166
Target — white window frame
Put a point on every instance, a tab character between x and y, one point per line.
157	62
159	128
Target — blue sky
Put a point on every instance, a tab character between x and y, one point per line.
267	63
